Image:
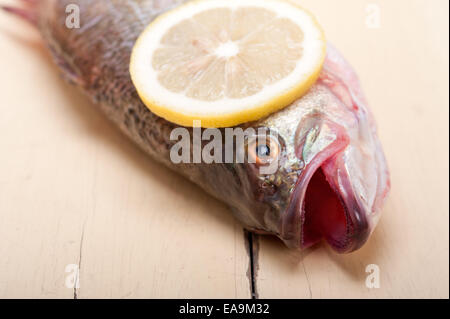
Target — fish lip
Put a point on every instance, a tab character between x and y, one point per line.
358	227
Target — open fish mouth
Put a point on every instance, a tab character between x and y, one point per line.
324	205
326	215
321	212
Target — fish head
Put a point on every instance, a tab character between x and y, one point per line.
331	177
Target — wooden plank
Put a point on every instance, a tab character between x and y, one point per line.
73	190
403	66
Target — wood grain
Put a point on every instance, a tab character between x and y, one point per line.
75	191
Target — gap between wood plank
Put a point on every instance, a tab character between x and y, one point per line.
252	243
252	247
75	289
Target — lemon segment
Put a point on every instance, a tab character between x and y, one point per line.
226	62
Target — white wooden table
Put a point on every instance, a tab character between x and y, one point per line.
75	193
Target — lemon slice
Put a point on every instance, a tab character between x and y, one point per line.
226	62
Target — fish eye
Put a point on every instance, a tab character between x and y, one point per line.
263	151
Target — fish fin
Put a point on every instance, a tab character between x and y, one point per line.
29	12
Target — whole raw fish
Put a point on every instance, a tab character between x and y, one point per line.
332	177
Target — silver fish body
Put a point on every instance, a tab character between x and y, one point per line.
332	176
